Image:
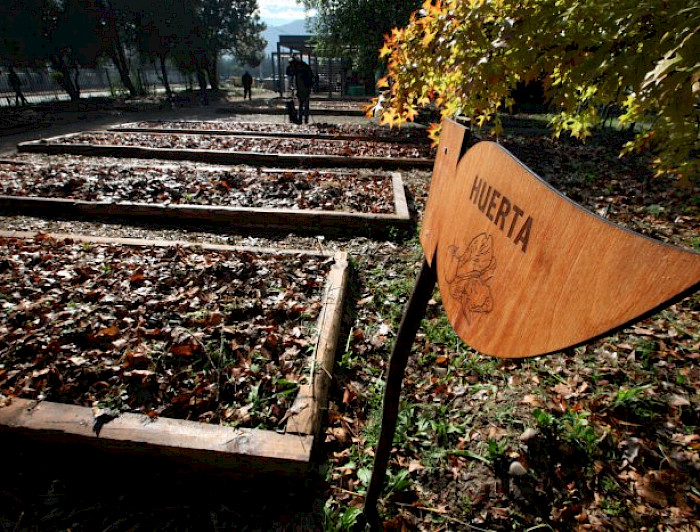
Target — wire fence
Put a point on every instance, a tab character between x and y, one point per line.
40	85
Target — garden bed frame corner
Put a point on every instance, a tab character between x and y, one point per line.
200	445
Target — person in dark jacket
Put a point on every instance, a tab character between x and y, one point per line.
303	79
16	85
247	82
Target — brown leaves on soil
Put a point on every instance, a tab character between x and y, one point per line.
210	336
297	146
319	128
80	179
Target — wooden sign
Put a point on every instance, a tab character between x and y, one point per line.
522	270
525	271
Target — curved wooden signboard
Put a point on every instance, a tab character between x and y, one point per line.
525	271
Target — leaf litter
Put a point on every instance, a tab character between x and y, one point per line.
416	134
88	179
607	434
214	336
252	144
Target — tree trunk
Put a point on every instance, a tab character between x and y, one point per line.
76	76
116	51
119	60
166	83
64	79
202	79
212	73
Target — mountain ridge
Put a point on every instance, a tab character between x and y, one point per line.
272	33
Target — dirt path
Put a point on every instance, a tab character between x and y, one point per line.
66	122
72	122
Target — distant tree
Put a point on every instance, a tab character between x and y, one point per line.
189	50
118	29
66	34
231	26
355	28
69	34
20	38
71	40
212	28
159	26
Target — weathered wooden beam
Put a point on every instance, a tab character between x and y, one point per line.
186	244
313	398
243	450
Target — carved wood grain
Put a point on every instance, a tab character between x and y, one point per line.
572	276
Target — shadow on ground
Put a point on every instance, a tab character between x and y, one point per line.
87	489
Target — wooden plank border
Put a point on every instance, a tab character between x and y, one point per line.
240	450
248	218
130	128
312	398
224	448
162	243
53	146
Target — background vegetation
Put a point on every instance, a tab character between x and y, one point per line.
69	34
354	29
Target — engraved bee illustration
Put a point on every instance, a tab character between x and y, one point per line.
469	271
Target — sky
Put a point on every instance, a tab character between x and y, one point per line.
278	12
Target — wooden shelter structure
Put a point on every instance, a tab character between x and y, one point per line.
331	72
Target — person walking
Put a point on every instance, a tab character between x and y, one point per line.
303	79
16	85
247	82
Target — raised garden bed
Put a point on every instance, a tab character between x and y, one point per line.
237	150
280	110
244	197
209	353
325	102
251	143
271	129
277	106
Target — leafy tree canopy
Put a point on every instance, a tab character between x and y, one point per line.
21	32
641	58
232	26
72	33
357	27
